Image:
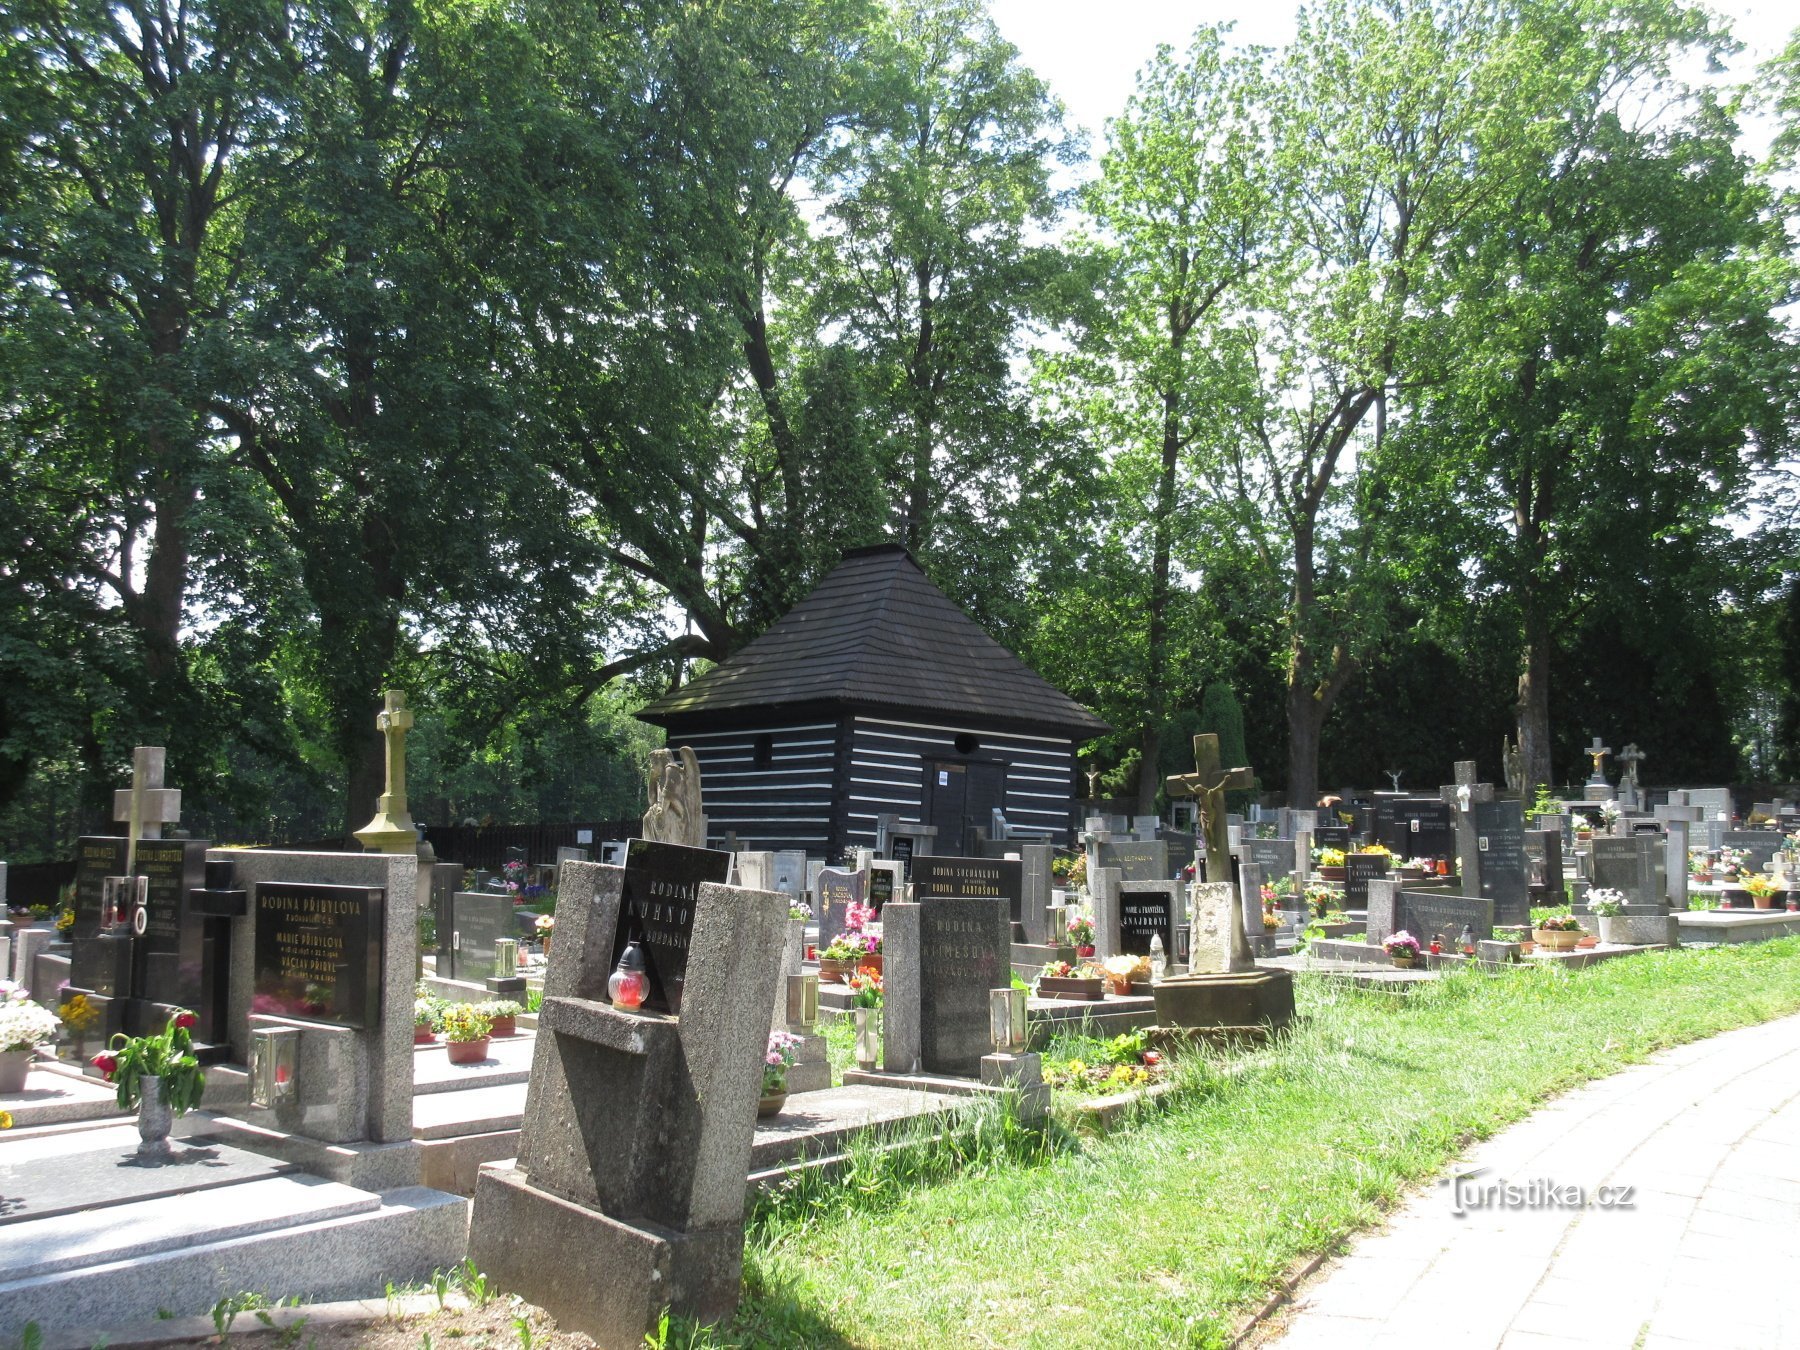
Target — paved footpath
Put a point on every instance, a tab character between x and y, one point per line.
1707	1138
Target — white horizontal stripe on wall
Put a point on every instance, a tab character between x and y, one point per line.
759	731
764	787
958	731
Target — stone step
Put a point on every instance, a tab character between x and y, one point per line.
814	1124
403	1238
141	1228
482	1110
508	1061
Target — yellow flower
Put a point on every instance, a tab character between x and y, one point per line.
5	1120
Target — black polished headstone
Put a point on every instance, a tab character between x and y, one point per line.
881	888
656	910
1500	854
96	859
1332	836
1417	829
965	950
942	878
318	951
169	954
1144	914
1636	866
1359	870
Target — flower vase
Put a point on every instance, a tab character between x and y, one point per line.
868	1046
154	1120
14	1065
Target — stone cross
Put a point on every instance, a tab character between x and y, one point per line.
392	830
146	806
1209	784
1598	752
1630	757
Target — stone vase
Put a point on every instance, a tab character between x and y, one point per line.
868	1044
154	1121
14	1065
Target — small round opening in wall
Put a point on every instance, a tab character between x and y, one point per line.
967	744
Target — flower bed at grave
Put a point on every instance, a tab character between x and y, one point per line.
1092	1067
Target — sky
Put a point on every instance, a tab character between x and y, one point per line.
1090	53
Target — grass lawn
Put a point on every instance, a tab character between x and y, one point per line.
1167	1232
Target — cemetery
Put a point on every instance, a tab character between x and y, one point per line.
912	673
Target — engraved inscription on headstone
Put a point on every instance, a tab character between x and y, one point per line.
318	951
1427	916
1359	870
166	957
965	950
1145	913
881	888
941	878
1500	855
1137	860
1332	836
656	910
477	922
96	859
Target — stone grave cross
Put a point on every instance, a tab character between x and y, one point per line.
392	830
1630	757
1208	784
146	806
1463	795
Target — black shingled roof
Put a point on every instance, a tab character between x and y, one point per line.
876	631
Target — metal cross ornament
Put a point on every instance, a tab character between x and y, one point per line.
1208	784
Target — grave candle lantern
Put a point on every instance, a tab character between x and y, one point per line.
629	982
1006	1020
506	958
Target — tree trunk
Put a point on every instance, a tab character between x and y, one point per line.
365	766
1156	663
1534	698
1305	719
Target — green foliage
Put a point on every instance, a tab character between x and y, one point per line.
166	1056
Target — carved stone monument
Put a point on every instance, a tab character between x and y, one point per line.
392	830
1208	784
674	792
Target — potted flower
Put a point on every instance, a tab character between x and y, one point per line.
24	1026
1376	850
1122	971
782	1054
1320	898
1081	935
1402	949
78	1016
849	951
158	1075
428	1018
1069	872
1071	983
1331	864
1558	933
1761	889
503	1014
546	925
466	1032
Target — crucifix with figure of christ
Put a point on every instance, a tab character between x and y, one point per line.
1208	785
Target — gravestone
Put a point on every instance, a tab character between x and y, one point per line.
790	873
626	1199
1034	891
168	955
1544	860
837	891
938	878
1275	857
1331	836
318	952
1504	875
477	922
1147	910
1419	829
96	859
1425	914
965	950
1758	846
1359	870
1635	866
656	910
885	883
1137	860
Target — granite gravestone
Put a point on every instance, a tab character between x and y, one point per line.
168	954
1146	912
627	1195
477	922
1757	846
1332	836
1427	916
96	859
1275	857
1500	857
1359	870
965	950
1137	860
656	911
446	880
883	880
837	890
1636	866
318	953
942	878
1420	829
1544	861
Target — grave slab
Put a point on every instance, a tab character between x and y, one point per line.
106	1172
